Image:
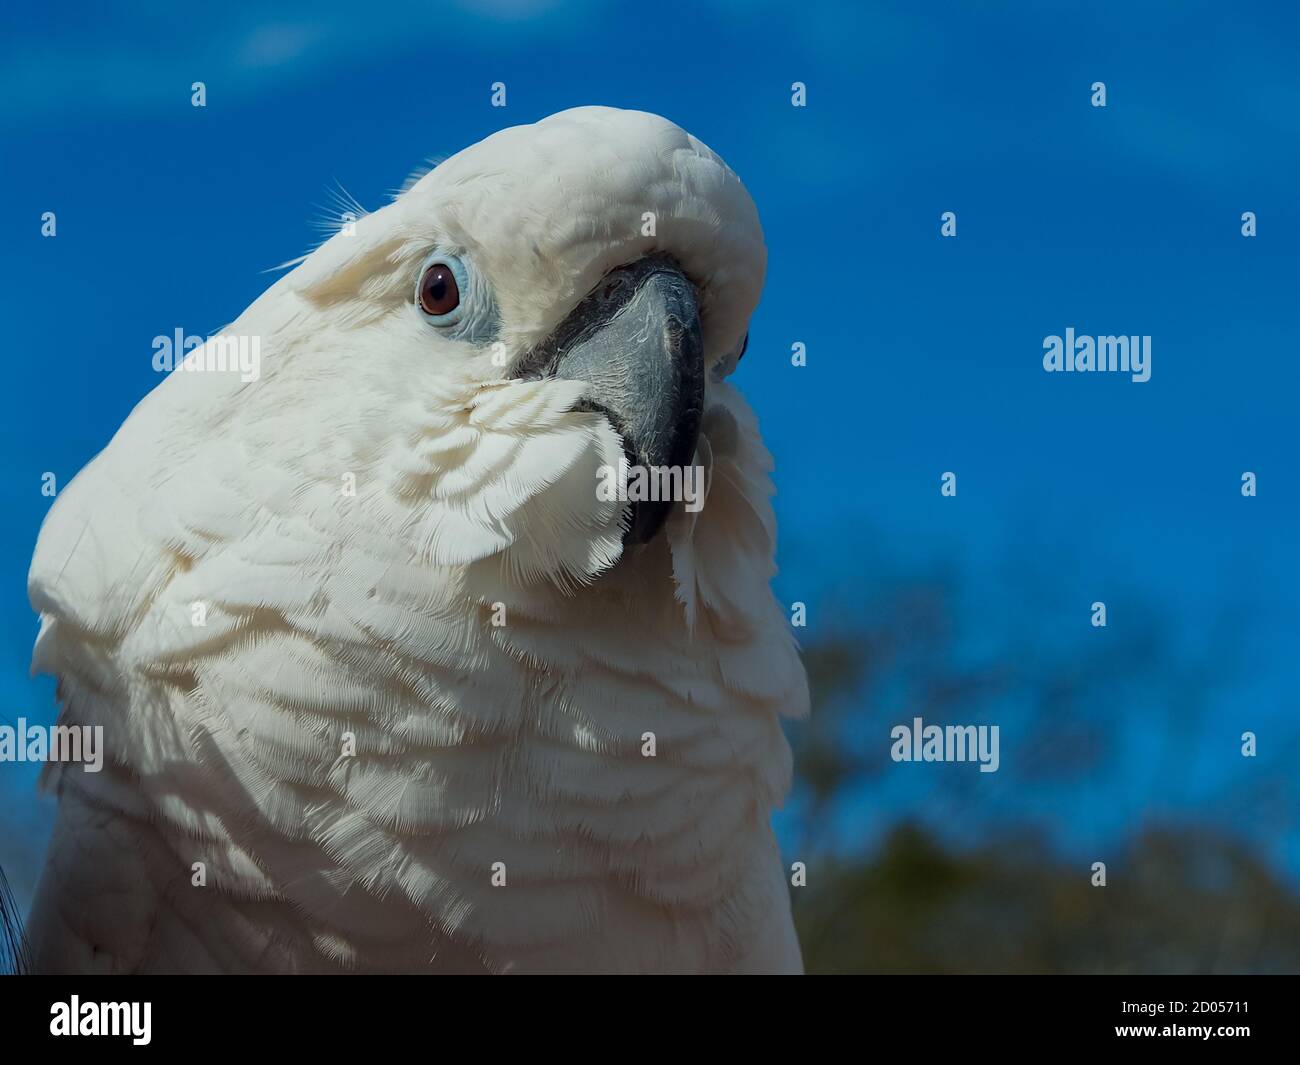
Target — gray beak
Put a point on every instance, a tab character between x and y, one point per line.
636	340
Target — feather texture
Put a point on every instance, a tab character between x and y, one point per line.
362	628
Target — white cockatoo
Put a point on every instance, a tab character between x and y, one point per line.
386	681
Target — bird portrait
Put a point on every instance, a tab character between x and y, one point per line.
386	682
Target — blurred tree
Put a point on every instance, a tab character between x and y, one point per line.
1180	897
1176	902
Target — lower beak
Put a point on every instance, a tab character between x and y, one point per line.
635	339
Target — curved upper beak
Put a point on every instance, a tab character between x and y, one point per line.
635	339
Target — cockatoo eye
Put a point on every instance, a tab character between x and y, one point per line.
439	291
455	298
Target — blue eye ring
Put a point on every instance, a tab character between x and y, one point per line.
443	277
474	319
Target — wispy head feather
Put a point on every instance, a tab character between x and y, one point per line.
427	167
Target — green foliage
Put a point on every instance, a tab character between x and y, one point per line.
1176	902
1180	898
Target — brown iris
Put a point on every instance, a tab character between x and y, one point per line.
439	293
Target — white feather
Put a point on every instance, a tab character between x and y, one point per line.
333	620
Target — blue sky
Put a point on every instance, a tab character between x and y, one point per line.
924	354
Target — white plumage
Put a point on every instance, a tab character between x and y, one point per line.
372	614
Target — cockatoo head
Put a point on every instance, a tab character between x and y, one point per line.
473	358
578	288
